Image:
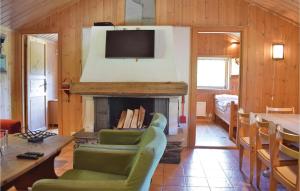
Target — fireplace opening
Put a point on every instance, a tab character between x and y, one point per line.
108	110
117	105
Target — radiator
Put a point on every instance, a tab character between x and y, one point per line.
201	109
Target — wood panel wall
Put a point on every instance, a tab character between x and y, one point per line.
69	23
261	73
217	45
6	81
261	27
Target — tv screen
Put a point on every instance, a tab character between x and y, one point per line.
130	44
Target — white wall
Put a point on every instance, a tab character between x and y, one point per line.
164	67
171	62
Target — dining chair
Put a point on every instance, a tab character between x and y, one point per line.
246	140
282	110
265	138
288	176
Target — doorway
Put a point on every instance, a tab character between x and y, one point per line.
217	88
41	81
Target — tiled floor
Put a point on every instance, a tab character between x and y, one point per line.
211	134
200	169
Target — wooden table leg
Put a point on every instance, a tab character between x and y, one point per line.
42	171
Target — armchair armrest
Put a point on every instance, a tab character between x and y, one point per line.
78	185
103	160
120	137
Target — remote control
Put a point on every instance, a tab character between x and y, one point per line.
36	140
35	153
28	157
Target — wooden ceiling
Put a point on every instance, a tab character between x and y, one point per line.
16	13
51	37
289	9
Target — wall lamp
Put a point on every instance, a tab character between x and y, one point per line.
234	44
278	51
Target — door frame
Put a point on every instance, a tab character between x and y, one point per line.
24	77
193	73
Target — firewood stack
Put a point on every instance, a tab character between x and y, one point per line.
132	118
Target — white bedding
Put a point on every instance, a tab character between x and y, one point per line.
223	100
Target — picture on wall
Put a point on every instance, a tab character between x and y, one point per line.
3	63
2	56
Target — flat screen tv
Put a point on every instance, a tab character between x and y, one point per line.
130	44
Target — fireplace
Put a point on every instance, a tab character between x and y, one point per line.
107	110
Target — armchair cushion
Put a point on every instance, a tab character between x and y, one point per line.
79	185
104	160
131	137
114	147
90	175
120	137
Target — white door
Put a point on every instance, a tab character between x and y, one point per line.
36	84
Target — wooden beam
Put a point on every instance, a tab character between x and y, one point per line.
129	88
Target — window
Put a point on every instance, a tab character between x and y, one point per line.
212	73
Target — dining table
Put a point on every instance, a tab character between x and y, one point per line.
290	122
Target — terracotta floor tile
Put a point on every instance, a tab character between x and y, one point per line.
174	181
157	180
238	181
219	183
232	173
196	181
174	188
156	188
59	163
193	188
159	170
173	171
246	188
215	173
194	172
222	189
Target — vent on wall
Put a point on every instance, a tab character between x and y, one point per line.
201	109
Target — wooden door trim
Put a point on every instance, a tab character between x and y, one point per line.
193	72
22	58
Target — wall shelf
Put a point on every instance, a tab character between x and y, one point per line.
129	88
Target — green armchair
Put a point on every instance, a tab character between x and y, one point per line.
127	139
111	170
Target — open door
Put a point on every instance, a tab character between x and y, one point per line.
36	84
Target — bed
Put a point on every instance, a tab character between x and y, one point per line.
226	107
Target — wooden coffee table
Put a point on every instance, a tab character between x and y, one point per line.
23	173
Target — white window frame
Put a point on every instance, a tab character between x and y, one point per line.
227	73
